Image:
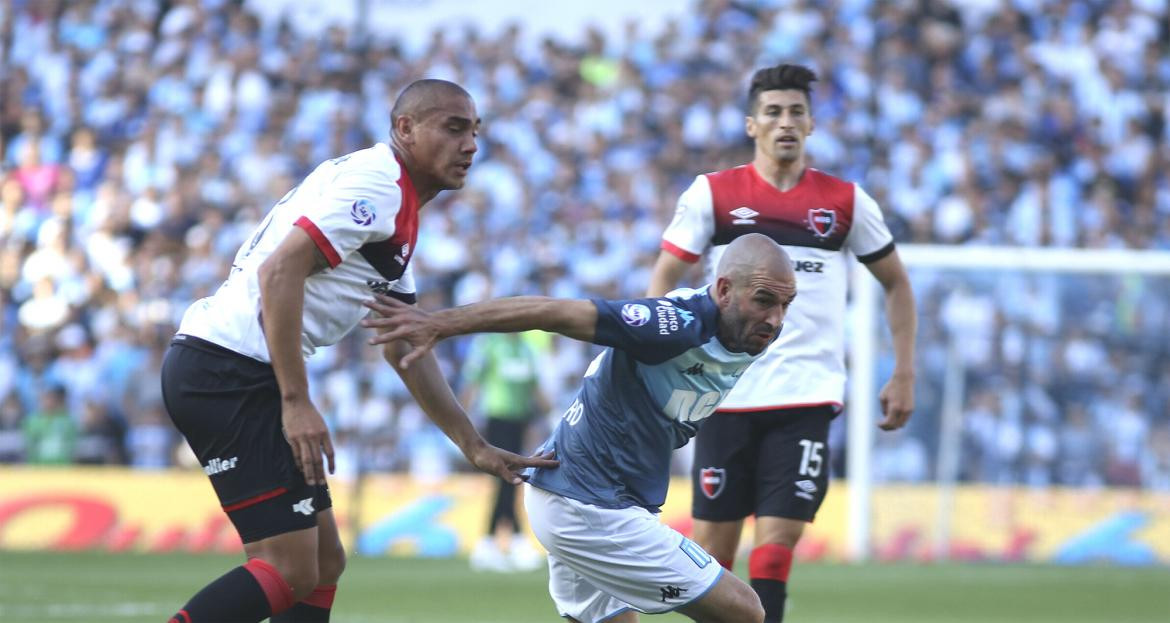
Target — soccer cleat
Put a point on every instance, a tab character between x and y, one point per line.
486	556
525	557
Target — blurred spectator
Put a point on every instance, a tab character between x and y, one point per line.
12	441
49	432
100	437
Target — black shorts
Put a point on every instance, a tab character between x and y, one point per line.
767	463
227	406
506	434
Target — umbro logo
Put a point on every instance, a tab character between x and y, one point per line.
807	489
304	507
695	370
744	216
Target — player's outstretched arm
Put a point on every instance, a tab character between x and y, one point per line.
668	269
897	397
430	389
395	320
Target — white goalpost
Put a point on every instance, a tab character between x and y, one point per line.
864	345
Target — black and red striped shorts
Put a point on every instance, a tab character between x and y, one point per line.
227	406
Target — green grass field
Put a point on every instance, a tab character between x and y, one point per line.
42	587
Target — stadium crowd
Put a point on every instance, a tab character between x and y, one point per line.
142	141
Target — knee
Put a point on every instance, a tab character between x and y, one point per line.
750	609
330	565
301	574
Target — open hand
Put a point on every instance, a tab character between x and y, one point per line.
305	430
395	320
508	465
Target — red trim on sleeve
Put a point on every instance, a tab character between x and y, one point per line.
256	499
320	240
679	252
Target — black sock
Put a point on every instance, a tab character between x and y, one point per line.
236	597
302	613
772	595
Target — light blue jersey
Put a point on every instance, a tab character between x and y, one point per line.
644	396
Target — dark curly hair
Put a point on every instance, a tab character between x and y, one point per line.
778	78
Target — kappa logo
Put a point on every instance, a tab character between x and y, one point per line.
695	370
362	212
635	314
822	221
304	507
711	481
744	216
671	592
687	317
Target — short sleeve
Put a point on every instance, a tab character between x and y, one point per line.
348	212
651	330
690	232
869	238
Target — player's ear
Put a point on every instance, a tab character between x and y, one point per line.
749	126
404	129
722	291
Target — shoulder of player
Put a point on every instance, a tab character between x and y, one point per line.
838	191
695	304
734	175
366	174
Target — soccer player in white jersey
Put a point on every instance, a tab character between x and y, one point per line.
765	452
234	378
669	362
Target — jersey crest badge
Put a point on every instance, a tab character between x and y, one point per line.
744	216
635	314
711	481
822	221
362	212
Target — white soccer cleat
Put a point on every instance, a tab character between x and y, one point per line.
486	556
525	557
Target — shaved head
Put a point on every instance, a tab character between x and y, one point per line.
754	284
754	253
421	97
433	130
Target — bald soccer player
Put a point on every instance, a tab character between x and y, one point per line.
669	361
234	377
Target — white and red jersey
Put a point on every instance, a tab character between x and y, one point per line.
361	210
817	222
